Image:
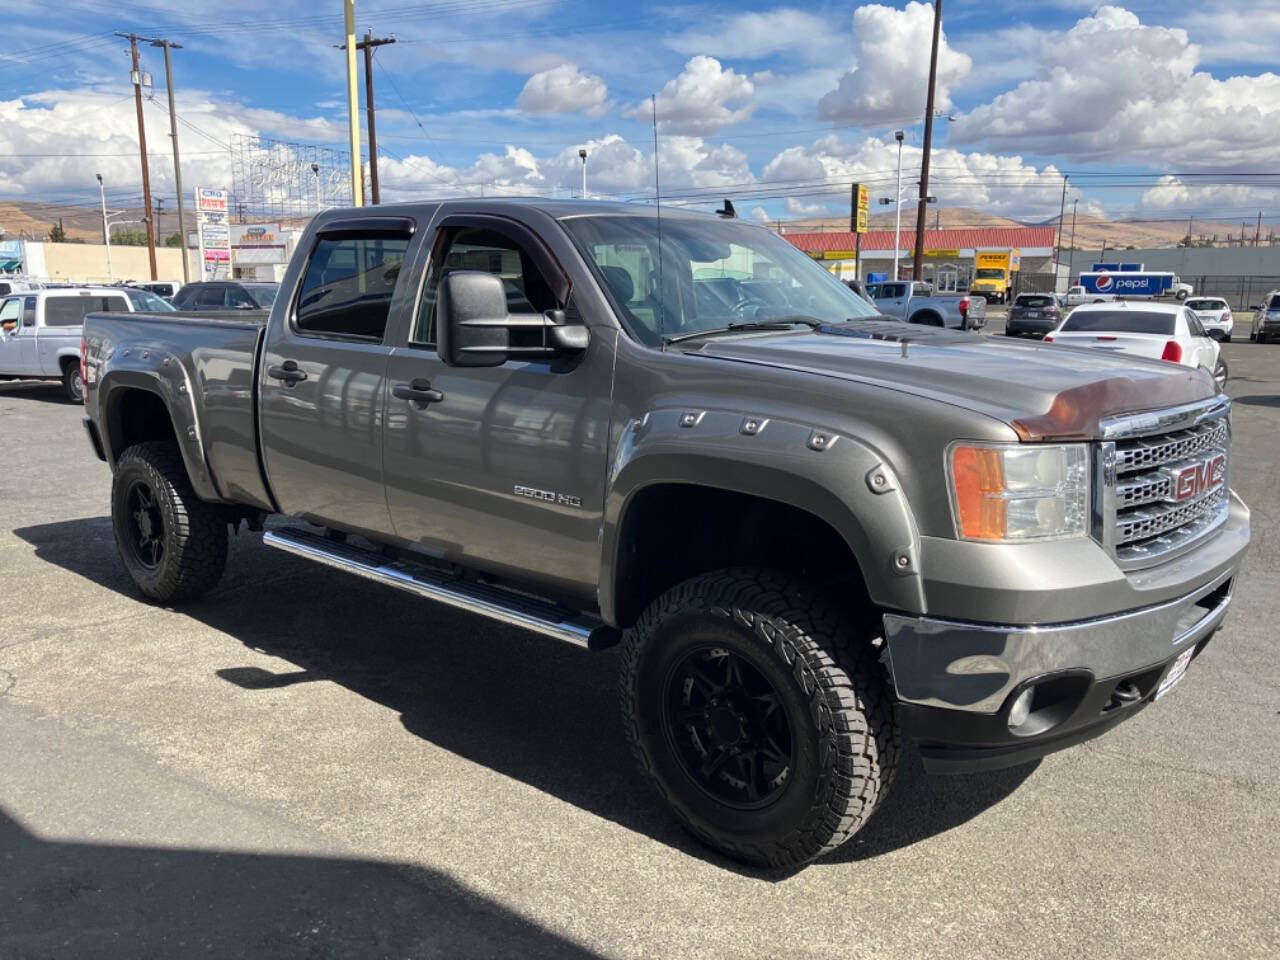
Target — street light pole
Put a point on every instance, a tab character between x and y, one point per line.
1072	252
897	204
177	165
106	231
582	154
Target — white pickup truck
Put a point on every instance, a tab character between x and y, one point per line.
40	330
1078	295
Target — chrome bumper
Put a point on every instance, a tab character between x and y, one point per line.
973	666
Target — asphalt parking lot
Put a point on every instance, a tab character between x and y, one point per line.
306	764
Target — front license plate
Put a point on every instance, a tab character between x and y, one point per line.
1176	672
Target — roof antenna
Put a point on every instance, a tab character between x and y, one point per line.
657	198
727	210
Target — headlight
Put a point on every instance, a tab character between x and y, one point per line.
1007	493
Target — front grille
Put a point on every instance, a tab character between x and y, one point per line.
1143	519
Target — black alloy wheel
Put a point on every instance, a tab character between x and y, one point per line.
728	727
145	523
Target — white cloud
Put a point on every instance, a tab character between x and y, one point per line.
1175	194
705	98
1112	88
892	73
751	36
999	184
563	89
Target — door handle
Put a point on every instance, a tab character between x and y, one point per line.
419	391
287	371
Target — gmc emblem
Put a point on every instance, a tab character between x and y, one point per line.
1190	482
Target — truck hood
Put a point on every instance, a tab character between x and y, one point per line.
1043	391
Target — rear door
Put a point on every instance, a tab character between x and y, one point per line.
323	370
505	470
1204	349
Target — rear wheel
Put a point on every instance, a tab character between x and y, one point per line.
173	544
764	724
72	382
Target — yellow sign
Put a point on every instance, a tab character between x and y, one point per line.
998	261
938	253
861	202
838	255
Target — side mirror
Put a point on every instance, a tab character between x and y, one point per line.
475	329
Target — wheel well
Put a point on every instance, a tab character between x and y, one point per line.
927	316
672	532
134	416
68	360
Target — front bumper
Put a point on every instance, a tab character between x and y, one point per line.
956	680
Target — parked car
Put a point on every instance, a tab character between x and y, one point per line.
915	302
1157	331
814	531
40	332
226	295
1266	318
1033	314
163	288
1077	295
1214	315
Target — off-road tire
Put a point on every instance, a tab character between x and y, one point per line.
72	383
836	689
193	533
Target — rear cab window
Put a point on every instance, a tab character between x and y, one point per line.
347	287
70	311
1275	303
1120	321
1035	300
1208	304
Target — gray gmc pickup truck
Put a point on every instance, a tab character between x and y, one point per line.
816	533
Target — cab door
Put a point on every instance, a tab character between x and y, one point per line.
323	370
504	470
10	331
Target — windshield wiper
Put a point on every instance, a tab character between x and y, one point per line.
773	323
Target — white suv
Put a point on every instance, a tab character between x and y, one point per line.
1157	331
1214	315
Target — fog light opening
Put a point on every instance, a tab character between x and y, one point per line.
1021	708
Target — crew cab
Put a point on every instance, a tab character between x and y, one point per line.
814	532
40	330
916	302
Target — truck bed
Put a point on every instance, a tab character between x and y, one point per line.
204	363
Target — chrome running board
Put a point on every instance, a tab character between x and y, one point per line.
496	603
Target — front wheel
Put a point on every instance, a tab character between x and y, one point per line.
763	723
1220	373
173	544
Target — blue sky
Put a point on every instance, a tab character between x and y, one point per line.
776	104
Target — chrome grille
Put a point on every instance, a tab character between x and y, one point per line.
1141	520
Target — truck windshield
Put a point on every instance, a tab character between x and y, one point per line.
1120	321
711	274
988	273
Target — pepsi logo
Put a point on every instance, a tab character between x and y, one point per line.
1104	283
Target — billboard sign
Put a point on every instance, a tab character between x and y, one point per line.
1128	284
211	200
861	197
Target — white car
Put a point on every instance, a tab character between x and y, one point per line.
40	330
1157	331
1214	315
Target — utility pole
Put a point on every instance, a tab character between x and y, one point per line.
173	136
1073	234
142	145
353	104
922	209
1062	212
1257	231
367	45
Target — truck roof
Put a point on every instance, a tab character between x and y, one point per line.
559	209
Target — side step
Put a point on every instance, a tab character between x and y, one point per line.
489	601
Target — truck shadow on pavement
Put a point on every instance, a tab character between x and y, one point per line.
50	391
76	899
528	707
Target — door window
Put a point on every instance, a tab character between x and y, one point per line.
29	312
212	297
9	313
237	299
1193	324
346	290
472	248
70	311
